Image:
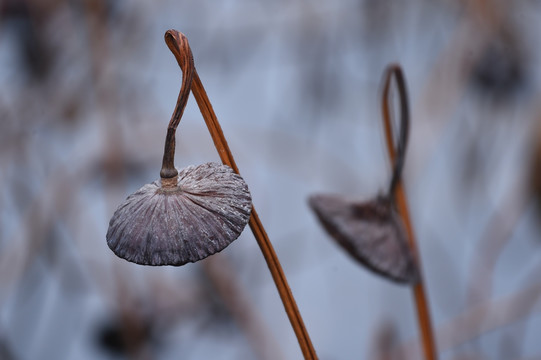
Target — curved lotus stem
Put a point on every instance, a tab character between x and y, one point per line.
178	44
258	230
399	155
398	193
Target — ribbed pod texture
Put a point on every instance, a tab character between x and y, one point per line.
203	214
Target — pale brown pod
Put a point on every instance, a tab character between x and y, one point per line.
162	224
372	232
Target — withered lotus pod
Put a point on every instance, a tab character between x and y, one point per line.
184	216
159	225
373	232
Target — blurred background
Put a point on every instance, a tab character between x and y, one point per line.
87	88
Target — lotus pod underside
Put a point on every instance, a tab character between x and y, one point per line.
203	214
372	232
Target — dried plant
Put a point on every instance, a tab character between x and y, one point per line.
372	231
183	217
141	229
378	233
80	83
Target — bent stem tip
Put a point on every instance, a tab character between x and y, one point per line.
178	44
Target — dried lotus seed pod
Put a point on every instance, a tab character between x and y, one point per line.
164	224
372	232
183	217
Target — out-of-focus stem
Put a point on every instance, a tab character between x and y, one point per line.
423	314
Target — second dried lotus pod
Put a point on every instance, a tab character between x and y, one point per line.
372	232
184	216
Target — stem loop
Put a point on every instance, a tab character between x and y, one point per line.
399	196
399	155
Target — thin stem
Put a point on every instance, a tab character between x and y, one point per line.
397	157
255	224
178	44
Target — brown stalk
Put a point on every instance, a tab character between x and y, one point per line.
178	44
258	230
397	157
